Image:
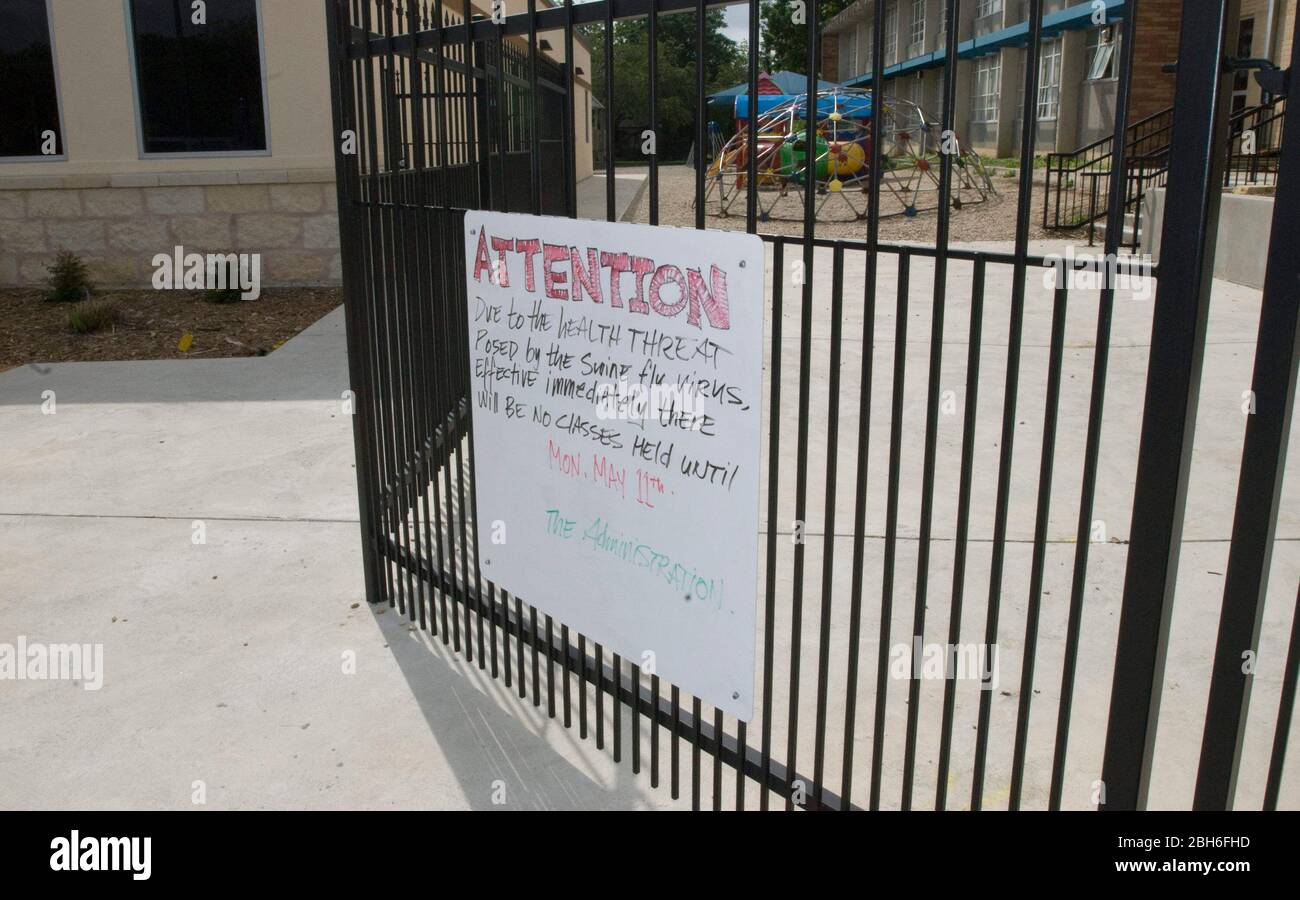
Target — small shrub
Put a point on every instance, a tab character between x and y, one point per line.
223	295
93	316
68	281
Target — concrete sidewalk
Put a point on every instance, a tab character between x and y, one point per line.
225	660
593	197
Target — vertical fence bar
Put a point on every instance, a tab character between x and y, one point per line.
773	479
828	522
381	294
1028	130
805	354
550	667
652	39
600	696
1039	558
616	669
701	166
751	141
701	129
582	686
940	299
535	110
864	410
519	650
1259	490
1285	709
969	414
609	111
358	337
1092	442
891	525
570	157
442	379
419	164
566	696
1196	151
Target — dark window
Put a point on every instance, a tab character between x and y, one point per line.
200	84
29	102
1241	78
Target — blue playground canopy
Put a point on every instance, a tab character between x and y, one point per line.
850	106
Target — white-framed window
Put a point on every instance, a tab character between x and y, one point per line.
1101	53
916	39
891	33
1049	80
987	88
987	8
943	20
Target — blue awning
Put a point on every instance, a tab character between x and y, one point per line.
1069	19
847	105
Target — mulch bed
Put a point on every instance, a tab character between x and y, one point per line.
35	331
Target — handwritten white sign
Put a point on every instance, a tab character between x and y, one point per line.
616	378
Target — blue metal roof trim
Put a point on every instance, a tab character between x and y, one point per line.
849	107
1068	19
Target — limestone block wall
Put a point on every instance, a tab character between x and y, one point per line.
117	223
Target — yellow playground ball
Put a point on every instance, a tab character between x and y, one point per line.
846	158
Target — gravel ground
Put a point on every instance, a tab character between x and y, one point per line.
35	331
993	219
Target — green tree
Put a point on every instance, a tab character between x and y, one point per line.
785	41
676	35
725	64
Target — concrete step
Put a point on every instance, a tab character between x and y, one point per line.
1128	233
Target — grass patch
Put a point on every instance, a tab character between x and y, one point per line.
1013	162
94	316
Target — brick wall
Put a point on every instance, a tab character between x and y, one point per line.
1151	90
118	223
830	60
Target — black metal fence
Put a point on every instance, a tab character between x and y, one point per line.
1076	184
1255	140
439	111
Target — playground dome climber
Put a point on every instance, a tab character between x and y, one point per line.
840	169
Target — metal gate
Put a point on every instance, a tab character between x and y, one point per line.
435	117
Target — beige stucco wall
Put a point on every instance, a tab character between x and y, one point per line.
117	209
97	93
